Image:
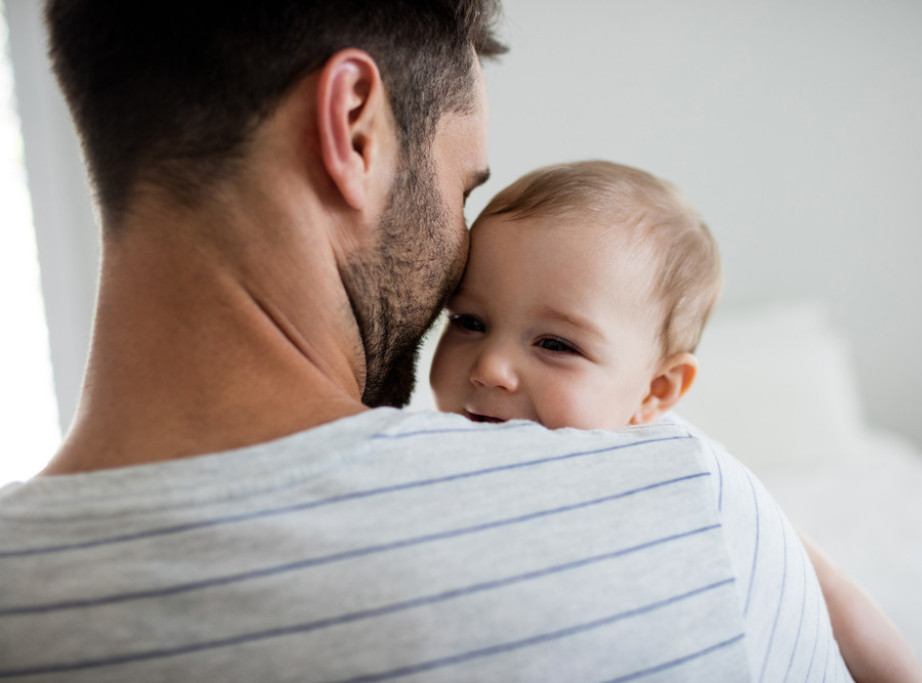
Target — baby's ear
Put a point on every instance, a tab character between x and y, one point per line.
670	382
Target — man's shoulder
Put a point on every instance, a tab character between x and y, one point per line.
384	441
453	431
447	445
587	554
448	434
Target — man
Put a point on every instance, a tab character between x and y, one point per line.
281	187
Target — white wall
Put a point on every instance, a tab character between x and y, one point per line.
65	228
794	126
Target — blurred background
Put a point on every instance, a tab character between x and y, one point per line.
793	126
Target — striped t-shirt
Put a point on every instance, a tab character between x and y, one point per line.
413	547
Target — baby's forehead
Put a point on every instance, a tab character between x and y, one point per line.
574	244
563	262
620	234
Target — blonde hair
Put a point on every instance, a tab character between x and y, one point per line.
652	214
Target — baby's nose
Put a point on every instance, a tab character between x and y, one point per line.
495	368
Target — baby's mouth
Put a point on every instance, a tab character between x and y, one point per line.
475	417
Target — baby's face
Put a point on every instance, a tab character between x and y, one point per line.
549	324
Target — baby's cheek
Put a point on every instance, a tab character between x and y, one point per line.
562	405
585	407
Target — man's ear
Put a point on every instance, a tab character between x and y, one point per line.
354	125
673	378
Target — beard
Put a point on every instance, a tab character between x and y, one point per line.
398	287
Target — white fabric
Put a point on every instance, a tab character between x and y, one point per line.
413	547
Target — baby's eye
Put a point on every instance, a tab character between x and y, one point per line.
466	322
556	345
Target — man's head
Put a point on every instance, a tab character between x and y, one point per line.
169	92
173	96
586	291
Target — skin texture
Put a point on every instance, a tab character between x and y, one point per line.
530	336
241	320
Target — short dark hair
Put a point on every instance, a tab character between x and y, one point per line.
652	214
170	91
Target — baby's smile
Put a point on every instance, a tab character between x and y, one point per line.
476	417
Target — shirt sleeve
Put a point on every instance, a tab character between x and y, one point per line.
788	632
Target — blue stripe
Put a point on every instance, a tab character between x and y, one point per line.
803	609
328	501
290	630
816	633
677	662
337	557
784	578
828	650
755	551
535	640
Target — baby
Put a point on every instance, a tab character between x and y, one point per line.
585	294
584	297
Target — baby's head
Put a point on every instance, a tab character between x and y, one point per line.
583	300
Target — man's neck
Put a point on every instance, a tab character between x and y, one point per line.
197	352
